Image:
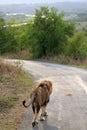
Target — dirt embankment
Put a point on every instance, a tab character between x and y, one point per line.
15	85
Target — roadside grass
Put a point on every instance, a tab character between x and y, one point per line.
7	102
65	60
60	59
15	86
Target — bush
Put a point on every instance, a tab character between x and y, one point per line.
83	50
77	47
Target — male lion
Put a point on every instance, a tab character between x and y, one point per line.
39	98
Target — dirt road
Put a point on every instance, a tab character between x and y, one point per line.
68	105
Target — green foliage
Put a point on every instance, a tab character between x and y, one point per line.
69	29
3	38
6	38
45	35
2	22
83	50
49	33
12	39
78	46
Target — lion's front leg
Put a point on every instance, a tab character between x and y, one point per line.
43	113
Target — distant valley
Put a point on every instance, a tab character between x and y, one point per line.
24	12
30	8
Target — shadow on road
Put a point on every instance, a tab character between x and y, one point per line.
45	126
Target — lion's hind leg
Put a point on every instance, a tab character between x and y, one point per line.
36	110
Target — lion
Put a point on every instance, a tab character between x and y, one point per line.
39	98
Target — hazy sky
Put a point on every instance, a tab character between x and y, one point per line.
34	1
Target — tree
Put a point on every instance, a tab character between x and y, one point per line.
8	41
49	32
2	35
46	35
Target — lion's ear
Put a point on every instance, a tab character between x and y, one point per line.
42	85
39	85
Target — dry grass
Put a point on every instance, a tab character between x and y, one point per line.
60	59
24	54
66	60
14	86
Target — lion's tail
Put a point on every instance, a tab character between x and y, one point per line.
30	101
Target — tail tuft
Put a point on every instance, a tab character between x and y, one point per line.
23	103
30	101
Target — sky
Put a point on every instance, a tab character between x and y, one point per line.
35	1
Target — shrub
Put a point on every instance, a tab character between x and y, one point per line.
77	47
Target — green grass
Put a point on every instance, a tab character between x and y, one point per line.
7	127
7	102
25	82
5	79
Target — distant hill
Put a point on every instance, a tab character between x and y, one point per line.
30	8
